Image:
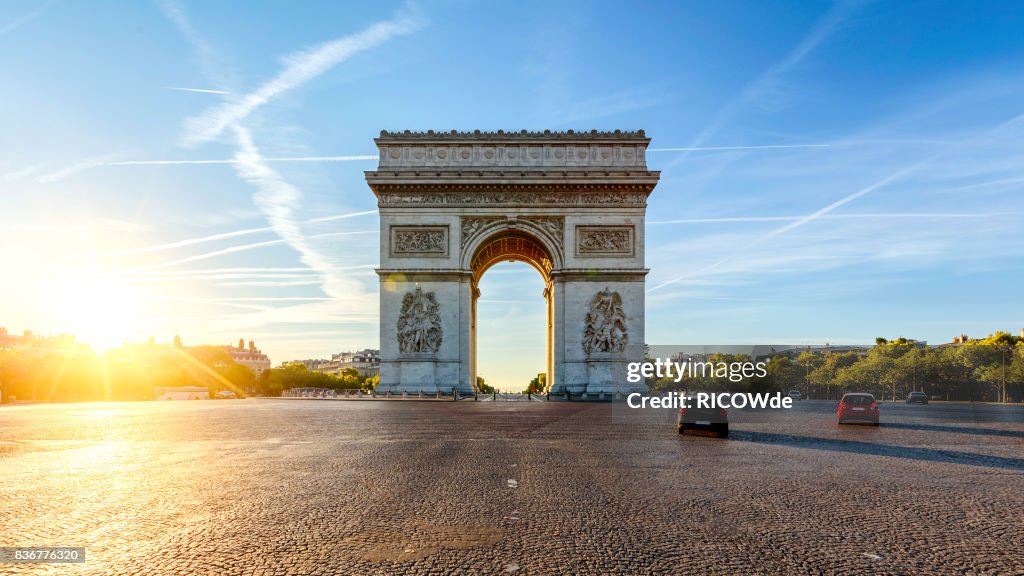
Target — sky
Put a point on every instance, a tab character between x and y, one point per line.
830	172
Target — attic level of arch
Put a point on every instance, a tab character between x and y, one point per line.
512	134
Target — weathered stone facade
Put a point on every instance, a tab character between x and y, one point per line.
452	204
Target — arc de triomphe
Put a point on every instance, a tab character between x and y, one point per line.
569	204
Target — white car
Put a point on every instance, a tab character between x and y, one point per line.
795	395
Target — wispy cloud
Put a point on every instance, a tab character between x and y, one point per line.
215	253
21	173
299	68
24	19
767	80
340	217
228	235
730	148
277	198
76	168
197	90
90	164
604	105
188	242
792	225
907	249
293	241
345	300
866	216
208	58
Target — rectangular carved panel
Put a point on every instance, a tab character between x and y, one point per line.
604	241
419	241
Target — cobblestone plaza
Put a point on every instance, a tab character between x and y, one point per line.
280	487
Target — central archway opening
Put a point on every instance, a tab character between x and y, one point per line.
511	340
511	329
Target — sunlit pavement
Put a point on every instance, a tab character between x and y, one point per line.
319	487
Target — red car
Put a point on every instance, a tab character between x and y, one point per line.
858	408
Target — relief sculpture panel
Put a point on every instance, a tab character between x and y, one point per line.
604	241
419	241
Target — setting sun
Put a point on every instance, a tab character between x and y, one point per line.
99	308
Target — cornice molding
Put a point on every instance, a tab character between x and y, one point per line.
512	135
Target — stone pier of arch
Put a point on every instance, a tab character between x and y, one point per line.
569	204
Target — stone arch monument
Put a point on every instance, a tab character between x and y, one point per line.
453	204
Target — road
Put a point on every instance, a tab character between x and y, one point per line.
282	487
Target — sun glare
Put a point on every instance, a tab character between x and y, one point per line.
99	309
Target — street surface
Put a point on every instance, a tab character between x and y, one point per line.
281	487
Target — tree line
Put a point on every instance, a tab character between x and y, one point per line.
76	373
988	369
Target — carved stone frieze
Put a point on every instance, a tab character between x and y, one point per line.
472	224
419	323
605	329
604	241
430	241
553	225
513	198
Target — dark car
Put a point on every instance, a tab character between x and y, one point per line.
705	421
917	398
858	407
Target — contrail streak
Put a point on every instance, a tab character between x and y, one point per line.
236	161
189	242
88	165
858	216
230	250
226	235
842	201
300	68
199	90
800	221
24	19
253	246
721	148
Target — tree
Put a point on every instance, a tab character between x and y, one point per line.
824	376
783	373
537	385
992	357
809	361
482	387
274	381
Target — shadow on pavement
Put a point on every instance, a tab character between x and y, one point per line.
955	429
857	447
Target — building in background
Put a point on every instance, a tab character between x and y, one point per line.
366	362
250	356
31	344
